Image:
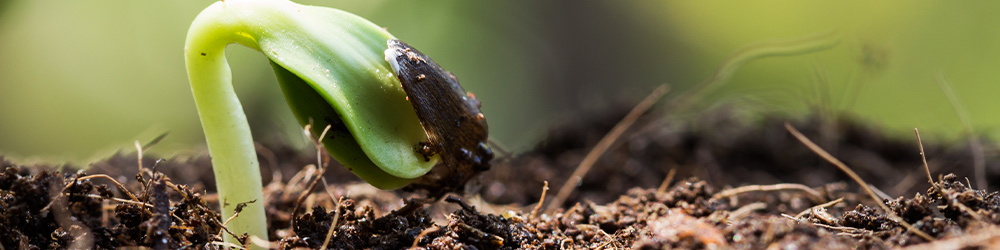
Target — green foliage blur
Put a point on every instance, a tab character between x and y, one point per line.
82	79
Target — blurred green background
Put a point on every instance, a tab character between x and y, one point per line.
81	79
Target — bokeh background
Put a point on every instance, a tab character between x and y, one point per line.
80	80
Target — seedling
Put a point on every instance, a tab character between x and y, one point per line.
332	68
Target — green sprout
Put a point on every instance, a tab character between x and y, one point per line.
330	65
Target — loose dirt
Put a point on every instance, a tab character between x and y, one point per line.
738	184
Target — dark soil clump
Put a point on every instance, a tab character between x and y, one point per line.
43	209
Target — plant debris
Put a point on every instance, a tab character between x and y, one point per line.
739	186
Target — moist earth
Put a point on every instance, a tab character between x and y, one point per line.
737	183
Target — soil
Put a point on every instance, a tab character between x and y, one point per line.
737	184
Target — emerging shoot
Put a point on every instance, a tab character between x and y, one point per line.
332	67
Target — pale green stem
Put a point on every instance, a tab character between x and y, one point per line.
331	68
227	132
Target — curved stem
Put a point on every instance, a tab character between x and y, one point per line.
227	132
331	68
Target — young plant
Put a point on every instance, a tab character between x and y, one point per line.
330	65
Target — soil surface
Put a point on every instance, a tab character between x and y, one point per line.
736	185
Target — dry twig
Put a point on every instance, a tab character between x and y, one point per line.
423	234
119	184
541	201
824	205
864	185
817	197
741	212
923	157
333	225
115	199
666	181
951	195
603	145
322	170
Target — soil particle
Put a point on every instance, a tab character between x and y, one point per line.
864	217
359	228
470	228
